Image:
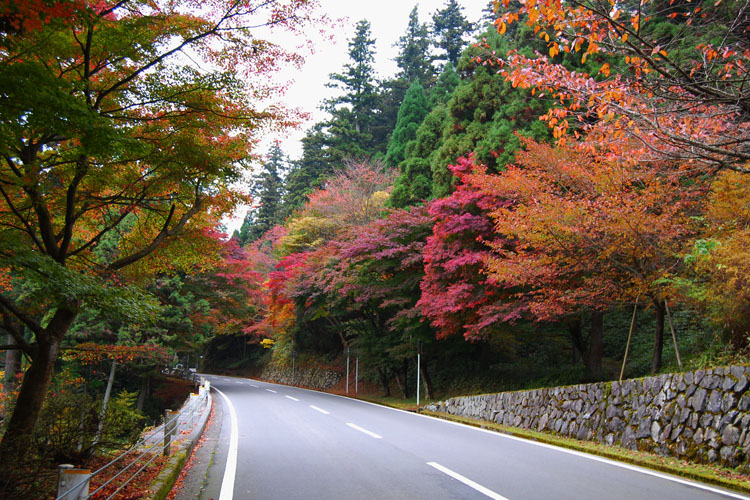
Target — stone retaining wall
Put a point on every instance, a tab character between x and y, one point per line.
702	415
314	378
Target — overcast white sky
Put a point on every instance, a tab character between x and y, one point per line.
388	20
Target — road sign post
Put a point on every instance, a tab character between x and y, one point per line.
356	376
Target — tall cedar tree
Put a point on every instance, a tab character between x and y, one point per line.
414	183
319	159
355	130
414	60
106	131
449	27
486	114
268	188
358	84
410	115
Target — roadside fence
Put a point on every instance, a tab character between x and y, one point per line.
73	484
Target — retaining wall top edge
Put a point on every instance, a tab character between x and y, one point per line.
595	384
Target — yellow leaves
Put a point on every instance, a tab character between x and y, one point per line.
624	37
501	29
554	49
730	200
267	343
605	69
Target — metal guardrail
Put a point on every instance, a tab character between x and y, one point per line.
73	484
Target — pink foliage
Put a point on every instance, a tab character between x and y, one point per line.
457	296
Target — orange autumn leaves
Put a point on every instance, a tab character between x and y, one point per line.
588	232
671	75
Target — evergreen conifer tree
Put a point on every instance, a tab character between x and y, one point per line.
449	27
268	188
357	80
414	60
414	182
446	84
486	114
410	116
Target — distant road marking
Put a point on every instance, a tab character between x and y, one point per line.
253	385
226	379
237	382
468	482
293	399
271	390
227	484
320	410
360	429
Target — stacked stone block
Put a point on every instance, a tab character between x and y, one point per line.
702	415
314	378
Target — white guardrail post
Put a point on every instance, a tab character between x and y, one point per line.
72	483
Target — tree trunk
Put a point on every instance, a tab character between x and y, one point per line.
595	345
426	380
485	356
589	350
402	382
12	366
658	336
406	377
17	440
383	375
144	393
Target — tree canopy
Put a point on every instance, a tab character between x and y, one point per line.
111	137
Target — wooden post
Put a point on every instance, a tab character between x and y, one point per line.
630	335
674	337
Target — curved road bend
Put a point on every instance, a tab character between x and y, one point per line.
295	444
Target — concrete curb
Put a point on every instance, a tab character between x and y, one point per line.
162	485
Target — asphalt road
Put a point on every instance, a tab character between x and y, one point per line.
295	444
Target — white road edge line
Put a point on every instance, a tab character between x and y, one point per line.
360	429
595	458
293	399
271	390
468	482
321	410
253	385
227	483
